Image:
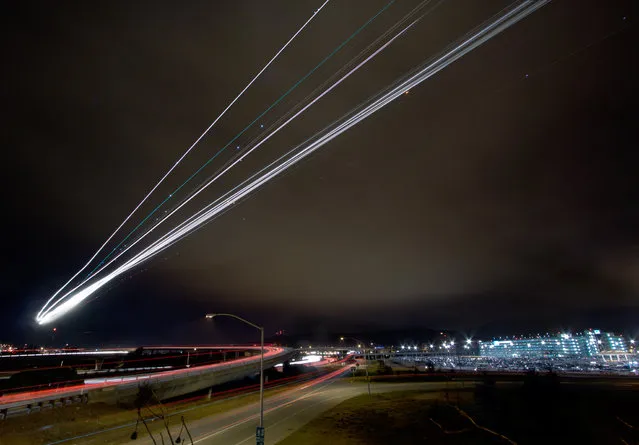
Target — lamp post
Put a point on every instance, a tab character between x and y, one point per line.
368	380
259	435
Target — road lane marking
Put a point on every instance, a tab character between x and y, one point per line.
254	416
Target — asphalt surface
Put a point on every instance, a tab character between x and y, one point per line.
283	414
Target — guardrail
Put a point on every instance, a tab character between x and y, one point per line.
172	383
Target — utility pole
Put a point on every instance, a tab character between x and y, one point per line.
259	432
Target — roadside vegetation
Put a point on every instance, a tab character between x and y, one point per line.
115	424
539	410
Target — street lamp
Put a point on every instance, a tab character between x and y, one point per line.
368	380
259	435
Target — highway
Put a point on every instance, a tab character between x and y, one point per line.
284	413
288	411
17	400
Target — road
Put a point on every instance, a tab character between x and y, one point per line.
283	414
21	399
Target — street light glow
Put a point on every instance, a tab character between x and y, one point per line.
360	344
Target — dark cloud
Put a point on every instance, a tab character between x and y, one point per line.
503	186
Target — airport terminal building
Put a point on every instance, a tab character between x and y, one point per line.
584	344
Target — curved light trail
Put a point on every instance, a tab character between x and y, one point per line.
237	136
74	299
170	170
50	305
475	38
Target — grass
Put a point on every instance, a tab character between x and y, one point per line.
396	417
524	413
76	420
530	412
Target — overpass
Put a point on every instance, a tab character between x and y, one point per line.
165	384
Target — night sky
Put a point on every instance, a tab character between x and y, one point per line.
502	192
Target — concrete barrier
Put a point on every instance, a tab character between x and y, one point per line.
165	385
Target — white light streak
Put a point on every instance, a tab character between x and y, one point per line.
183	156
86	292
496	26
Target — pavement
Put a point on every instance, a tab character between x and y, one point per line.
284	413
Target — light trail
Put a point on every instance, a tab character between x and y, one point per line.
499	23
312	378
237	136
327	82
183	156
309	97
43	312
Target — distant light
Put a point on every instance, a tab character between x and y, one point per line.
469	341
308	359
632	342
415	347
402	346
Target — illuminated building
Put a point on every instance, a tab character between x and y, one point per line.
584	344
